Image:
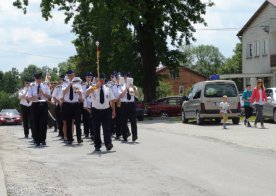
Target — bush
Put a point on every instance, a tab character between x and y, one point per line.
163	89
9	101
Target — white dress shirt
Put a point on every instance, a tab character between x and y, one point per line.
22	95
57	93
32	92
108	96
124	99
75	95
115	90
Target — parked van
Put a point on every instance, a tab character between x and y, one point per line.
204	98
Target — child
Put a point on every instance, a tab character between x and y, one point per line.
224	109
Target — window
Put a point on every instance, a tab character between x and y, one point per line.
219	90
173	101
198	93
181	89
174	73
162	101
257	48
265	47
269	92
249	50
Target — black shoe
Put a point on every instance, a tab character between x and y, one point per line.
109	147
80	141
69	142
248	124
43	143
97	149
117	137
245	121
37	144
92	138
86	136
26	136
125	139
134	138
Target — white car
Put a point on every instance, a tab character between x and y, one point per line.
269	110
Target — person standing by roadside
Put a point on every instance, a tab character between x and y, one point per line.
259	96
247	104
25	106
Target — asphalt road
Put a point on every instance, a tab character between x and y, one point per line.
169	158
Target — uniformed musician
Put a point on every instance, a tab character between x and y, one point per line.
102	100
72	94
25	106
57	99
127	93
87	126
39	93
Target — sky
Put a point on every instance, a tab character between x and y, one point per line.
29	39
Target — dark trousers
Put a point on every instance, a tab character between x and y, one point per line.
102	118
40	118
128	112
26	117
59	120
248	110
117	123
87	122
259	114
72	111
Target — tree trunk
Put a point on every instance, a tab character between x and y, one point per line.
148	55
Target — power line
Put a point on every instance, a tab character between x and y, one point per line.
218	29
30	54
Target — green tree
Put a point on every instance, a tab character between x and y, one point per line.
11	81
150	22
163	89
8	101
28	72
233	64
205	59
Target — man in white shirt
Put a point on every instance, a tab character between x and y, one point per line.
56	97
103	111
25	106
87	126
38	94
128	109
72	94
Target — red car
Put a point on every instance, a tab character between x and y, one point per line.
168	106
10	116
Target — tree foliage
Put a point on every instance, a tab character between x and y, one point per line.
205	59
131	33
163	89
233	64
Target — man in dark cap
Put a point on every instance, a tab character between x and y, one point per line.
39	93
102	100
72	94
86	116
25	106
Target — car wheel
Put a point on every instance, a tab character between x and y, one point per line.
236	121
183	118
199	121
164	114
274	116
140	118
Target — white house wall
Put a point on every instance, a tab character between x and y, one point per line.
254	33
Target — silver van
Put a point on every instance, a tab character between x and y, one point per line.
269	110
204	98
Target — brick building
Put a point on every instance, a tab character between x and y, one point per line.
181	78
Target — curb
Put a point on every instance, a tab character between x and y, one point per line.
3	189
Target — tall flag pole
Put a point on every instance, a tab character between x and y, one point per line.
98	58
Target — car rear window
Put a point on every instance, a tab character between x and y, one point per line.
219	90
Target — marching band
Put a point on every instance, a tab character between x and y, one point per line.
94	102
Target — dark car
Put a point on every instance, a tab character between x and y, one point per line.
168	106
140	110
10	116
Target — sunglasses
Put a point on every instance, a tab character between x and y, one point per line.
260	82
